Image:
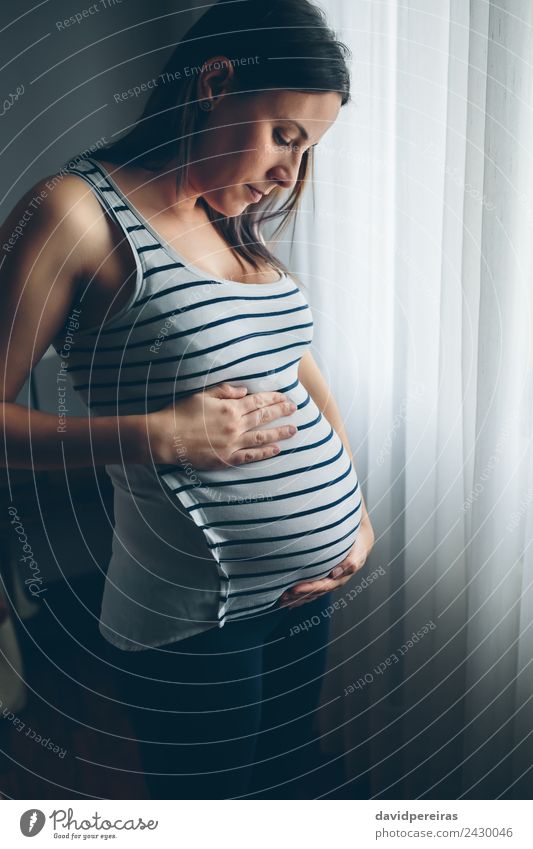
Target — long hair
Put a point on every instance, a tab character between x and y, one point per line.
278	44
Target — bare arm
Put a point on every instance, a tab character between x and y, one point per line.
313	380
40	266
63	239
315	383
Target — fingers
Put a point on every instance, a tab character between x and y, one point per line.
303	593
257	438
291	601
324	585
270	413
257	400
227	390
257	444
251	455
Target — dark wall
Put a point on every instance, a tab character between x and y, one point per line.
66	76
58	80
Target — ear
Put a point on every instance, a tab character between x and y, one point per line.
216	77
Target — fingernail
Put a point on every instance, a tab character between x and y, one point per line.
336	572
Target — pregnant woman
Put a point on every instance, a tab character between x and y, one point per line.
235	497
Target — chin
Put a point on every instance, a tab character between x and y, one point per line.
230	203
234	210
227	208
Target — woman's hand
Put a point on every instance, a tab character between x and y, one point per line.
217	428
341	574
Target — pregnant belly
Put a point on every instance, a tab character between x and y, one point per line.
274	523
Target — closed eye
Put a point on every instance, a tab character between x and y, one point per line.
280	140
288	143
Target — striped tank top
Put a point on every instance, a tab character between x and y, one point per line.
267	525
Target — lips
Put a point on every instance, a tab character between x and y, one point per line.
256	195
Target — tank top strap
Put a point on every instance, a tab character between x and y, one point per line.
115	203
149	255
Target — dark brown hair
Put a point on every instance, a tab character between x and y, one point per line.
293	48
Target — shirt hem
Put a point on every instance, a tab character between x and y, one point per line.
130	646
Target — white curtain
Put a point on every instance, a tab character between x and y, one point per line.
415	248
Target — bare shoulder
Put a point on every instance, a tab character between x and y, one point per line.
59	214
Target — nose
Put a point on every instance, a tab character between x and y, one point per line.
285	174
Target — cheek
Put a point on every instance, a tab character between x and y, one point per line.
227	159
218	170
229	175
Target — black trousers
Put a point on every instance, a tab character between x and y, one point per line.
230	712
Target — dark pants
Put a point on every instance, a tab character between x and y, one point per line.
230	711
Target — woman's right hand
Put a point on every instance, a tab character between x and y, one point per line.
218	428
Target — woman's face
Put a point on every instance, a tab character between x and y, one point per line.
254	140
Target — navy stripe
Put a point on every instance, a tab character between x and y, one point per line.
179	468
309	512
304	404
185	309
169	397
145	248
177	287
303	578
310	424
281	497
248	575
318	530
308	447
192	354
289	387
167	468
278	476
299	580
238	339
289	582
174	378
182	333
286	554
158	268
169	289
74	170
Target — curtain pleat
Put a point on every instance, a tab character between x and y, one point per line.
417	262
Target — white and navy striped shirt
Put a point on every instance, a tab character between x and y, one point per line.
266	525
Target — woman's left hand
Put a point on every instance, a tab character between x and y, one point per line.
354	560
